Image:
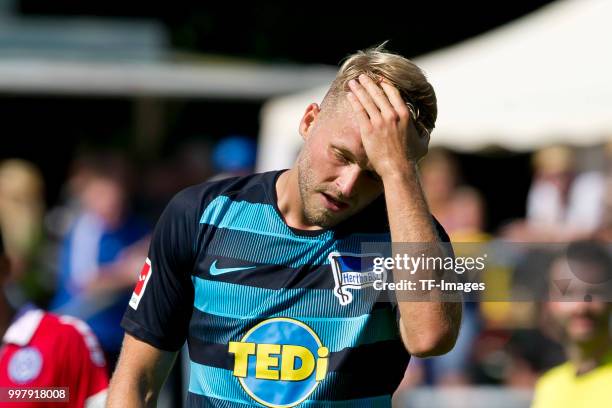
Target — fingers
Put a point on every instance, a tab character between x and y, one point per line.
365	89
360	113
406	115
365	99
397	101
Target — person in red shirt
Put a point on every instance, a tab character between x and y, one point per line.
43	350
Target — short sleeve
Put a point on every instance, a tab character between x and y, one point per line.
162	301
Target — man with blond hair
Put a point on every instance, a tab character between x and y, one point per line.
264	276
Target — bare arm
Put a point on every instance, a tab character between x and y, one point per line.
119	274
140	374
393	147
429	327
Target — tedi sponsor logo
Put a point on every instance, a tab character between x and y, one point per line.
279	362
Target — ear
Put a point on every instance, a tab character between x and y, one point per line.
308	120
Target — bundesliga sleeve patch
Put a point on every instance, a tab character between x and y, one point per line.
141	285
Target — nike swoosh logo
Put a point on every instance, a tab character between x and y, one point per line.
220	271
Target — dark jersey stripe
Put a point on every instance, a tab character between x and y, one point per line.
358	361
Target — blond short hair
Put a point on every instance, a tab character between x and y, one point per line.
409	79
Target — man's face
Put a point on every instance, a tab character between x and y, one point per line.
104	197
580	321
336	180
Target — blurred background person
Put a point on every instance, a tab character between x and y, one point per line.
40	349
21	218
548	197
102	253
563	203
605	229
580	287
468	211
440	176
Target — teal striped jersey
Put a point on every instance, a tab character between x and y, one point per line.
273	316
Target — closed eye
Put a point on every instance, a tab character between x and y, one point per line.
340	157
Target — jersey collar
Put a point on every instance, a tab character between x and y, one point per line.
23	328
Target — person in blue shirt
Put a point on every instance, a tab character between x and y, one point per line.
96	258
264	275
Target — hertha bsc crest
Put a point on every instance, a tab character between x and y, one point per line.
353	271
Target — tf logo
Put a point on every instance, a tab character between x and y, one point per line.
279	362
353	271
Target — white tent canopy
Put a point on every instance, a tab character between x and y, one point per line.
542	79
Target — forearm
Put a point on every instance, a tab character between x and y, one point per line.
429	327
127	391
140	374
409	217
112	282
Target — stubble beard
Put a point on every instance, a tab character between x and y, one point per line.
313	213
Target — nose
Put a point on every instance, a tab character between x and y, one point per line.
348	180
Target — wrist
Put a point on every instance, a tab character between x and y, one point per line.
407	170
